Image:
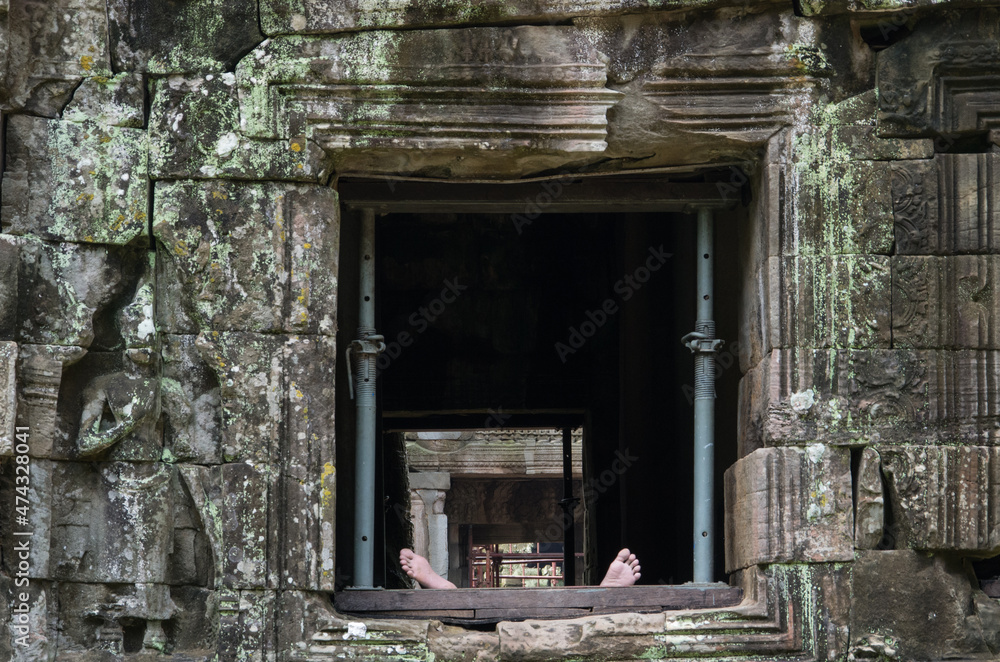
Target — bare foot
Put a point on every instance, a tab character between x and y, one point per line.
419	568
624	570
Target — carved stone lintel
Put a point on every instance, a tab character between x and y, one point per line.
441	91
290	16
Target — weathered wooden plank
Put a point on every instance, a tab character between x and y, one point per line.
623	599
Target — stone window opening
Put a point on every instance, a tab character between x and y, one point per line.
528	305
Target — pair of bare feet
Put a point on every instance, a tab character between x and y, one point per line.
623	571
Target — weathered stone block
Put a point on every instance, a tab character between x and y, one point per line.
246	626
8	396
250	373
164	38
943	498
75	182
838	301
191	401
65	291
400	101
861	142
99	622
304	530
448	642
869	520
789	505
245	506
248	257
39	518
52	47
893	15
947	205
10	264
953	624
195	133
116	101
196	623
946	302
39	379
873	397
307	539
43	613
102	514
832	203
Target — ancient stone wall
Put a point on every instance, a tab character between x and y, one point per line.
169	241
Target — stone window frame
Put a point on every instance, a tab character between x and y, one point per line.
638	191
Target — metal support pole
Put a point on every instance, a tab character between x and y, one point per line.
568	504
705	346
364	352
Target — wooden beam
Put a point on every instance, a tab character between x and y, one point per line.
495	604
578	196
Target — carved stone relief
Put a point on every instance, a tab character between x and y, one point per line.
929	85
879	396
946	205
938	498
945	302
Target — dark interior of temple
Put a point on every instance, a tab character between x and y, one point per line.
570	319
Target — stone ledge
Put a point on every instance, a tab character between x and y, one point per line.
787	613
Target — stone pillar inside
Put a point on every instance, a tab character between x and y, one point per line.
430	524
